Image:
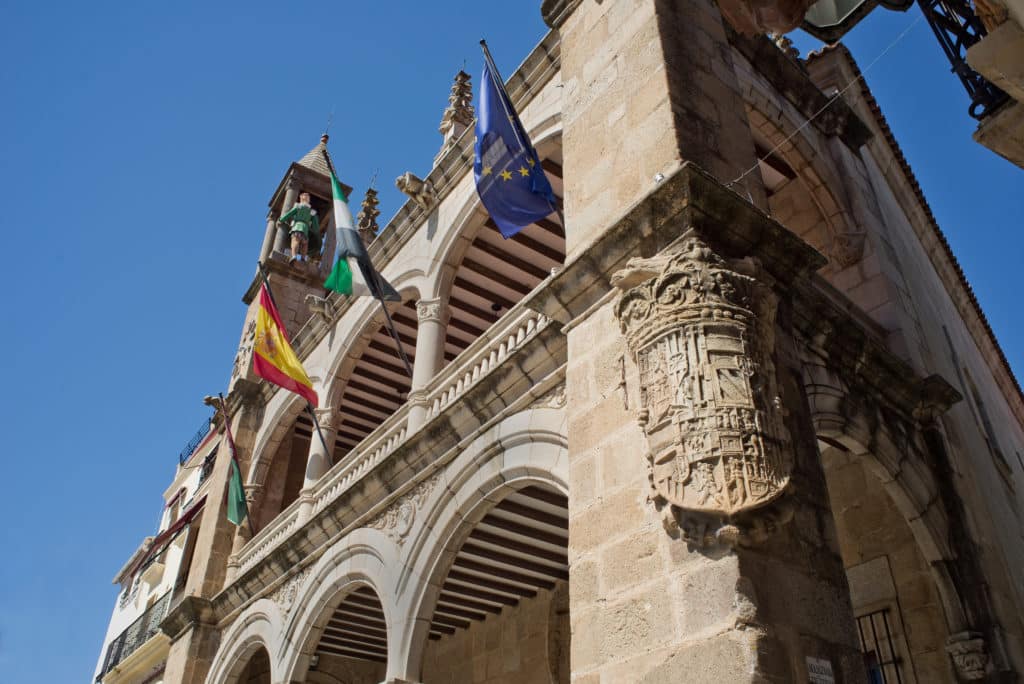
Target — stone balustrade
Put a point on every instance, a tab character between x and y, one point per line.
513	331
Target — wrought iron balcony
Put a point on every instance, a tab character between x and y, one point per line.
957	28
194	441
138	633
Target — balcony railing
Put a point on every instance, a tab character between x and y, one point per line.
486	353
138	633
194	441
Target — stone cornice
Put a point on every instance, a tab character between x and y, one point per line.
693	199
185	614
688	199
555	12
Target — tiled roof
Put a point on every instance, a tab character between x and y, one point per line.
314	159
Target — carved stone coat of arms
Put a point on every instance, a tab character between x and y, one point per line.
700	331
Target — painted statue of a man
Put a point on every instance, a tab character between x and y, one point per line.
303	227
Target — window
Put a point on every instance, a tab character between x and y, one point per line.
880	658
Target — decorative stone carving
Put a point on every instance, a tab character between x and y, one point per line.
397	520
366	220
554	398
757	17
421	191
252	495
969	654
244	352
701	334
320	306
460	104
326	417
285	595
847	248
429	310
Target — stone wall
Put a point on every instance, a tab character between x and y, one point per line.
525	644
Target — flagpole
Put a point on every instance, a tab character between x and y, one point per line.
516	124
309	406
234	457
377	290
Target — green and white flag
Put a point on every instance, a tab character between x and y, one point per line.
353	273
237	508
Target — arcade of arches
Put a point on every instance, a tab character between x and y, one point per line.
700	436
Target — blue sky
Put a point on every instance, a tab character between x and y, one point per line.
139	145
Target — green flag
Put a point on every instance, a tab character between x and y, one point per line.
353	273
237	508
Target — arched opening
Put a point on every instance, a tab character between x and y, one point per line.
349	641
502	611
492	274
257	670
900	619
377	383
284	475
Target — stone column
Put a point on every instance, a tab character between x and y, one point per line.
319	460
291	193
269	237
430	333
648	85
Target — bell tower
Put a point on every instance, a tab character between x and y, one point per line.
292	280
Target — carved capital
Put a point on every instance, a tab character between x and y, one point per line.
700	331
326	417
252	494
429	310
418	396
970	655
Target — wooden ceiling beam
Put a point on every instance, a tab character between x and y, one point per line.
491	583
502	573
458	589
510	259
483	293
513	561
490	274
520	547
533	514
524	530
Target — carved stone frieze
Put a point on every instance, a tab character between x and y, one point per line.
326	417
553	398
700	331
969	654
285	595
397	520
244	352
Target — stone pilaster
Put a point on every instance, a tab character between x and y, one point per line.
648	85
701	542
319	459
430	333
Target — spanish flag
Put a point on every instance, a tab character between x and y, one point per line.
273	358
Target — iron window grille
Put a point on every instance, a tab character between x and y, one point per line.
880	657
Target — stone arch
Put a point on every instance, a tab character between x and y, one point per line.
526	449
278	421
843	240
860	435
367	558
257	627
546	136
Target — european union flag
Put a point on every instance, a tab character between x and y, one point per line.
509	179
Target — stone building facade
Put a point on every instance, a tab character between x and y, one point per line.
742	420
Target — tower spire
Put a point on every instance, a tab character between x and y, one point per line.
366	220
459	114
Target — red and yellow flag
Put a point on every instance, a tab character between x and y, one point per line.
273	358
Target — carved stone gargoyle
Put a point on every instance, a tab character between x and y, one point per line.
700	331
421	191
